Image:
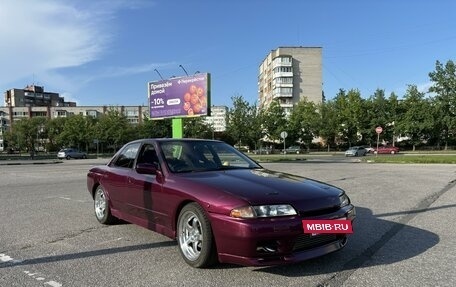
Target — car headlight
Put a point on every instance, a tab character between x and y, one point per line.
344	200
263	211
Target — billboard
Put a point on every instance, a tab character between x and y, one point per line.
179	97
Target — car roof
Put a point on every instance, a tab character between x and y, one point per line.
174	140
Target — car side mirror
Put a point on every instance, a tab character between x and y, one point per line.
146	168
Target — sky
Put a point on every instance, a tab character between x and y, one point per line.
105	52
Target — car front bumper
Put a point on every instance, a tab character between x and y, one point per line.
274	241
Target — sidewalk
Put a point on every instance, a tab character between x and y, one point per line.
30	161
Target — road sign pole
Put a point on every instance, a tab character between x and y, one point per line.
378	130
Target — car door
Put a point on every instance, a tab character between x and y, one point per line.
116	179
145	196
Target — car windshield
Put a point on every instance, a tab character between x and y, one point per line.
197	156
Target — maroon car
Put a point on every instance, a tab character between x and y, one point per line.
387	149
218	203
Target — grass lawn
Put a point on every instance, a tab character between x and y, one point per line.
413	158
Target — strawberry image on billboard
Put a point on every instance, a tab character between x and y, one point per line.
179	97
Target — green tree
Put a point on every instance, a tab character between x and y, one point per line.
28	133
304	123
114	130
239	122
417	121
377	109
351	114
329	128
54	128
154	128
78	131
274	121
444	86
196	127
256	131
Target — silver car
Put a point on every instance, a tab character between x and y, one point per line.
69	153
356	151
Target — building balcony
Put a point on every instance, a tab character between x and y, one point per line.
282	75
279	96
282	85
282	62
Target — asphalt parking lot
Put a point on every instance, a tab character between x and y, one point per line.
404	233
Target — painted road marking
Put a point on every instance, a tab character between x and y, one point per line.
35	275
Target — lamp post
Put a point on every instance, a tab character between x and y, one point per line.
158	74
183	69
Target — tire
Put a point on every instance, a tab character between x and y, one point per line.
84	156
101	207
194	237
393	152
68	157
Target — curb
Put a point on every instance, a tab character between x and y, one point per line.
30	162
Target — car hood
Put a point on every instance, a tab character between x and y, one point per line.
262	186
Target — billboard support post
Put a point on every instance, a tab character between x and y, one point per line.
177	128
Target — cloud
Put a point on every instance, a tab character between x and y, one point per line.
39	37
116	72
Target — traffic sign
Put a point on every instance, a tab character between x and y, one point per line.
379	130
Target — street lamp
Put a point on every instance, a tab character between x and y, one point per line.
158	74
183	69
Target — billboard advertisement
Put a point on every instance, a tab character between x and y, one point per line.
179	97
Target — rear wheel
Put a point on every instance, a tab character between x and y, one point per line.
101	207
393	152
195	238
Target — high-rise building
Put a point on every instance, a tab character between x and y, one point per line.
217	118
289	74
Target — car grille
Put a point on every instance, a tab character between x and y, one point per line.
306	241
319	212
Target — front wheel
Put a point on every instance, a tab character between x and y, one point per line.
195	238
101	207
393	152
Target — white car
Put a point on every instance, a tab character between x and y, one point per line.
356	151
69	153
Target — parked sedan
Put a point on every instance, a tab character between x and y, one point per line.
70	153
294	149
387	149
356	151
219	204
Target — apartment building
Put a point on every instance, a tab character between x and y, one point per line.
289	74
34	96
9	115
218	118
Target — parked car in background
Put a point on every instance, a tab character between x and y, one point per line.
369	148
387	149
294	149
263	150
356	151
69	153
219	204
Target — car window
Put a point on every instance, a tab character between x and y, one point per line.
200	156
148	154
126	157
